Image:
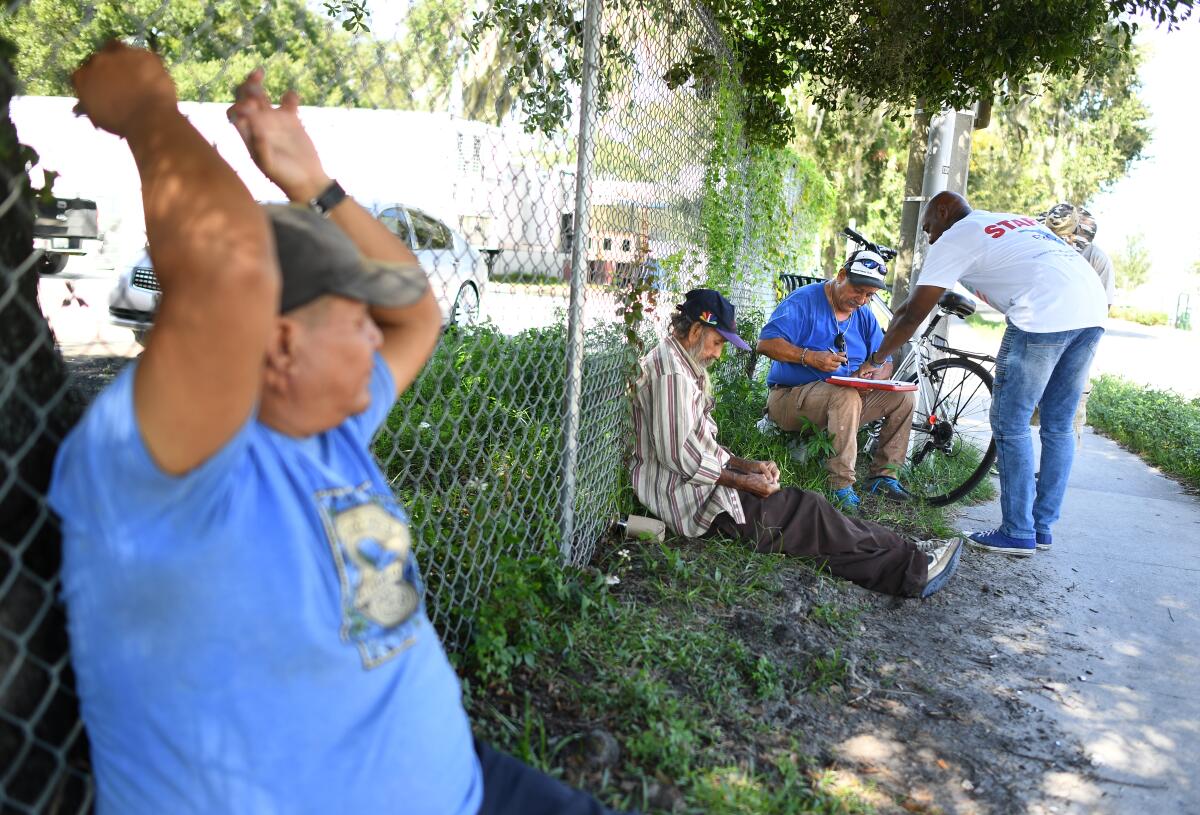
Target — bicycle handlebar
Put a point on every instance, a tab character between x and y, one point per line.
854	236
885	252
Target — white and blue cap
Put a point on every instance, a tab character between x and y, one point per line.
866	268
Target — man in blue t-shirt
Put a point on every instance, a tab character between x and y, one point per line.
821	330
246	614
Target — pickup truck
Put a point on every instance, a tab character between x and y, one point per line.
61	229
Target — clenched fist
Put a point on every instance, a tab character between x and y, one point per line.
119	87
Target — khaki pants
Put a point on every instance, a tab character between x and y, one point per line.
842	411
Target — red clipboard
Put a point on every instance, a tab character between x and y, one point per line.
872	384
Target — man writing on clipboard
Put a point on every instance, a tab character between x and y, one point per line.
822	330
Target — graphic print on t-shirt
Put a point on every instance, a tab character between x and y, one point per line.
380	582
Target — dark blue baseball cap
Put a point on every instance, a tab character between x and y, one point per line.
709	307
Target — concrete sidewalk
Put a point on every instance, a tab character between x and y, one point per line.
1122	673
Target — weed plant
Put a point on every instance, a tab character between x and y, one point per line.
474	449
645	644
1140	316
655	658
1162	426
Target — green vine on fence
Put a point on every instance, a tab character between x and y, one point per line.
763	207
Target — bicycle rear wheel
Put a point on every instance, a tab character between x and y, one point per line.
951	447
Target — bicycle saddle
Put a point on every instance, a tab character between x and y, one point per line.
956	304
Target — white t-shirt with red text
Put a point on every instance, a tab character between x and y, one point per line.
1020	268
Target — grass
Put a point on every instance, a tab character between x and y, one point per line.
1140	316
677	651
1162	426
530	279
474	450
671	662
992	329
669	648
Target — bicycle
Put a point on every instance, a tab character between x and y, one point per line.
951	448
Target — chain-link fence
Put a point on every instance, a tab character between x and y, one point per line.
551	252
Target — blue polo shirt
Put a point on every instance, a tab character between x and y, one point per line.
805	319
251	637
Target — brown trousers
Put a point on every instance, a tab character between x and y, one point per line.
804	524
842	411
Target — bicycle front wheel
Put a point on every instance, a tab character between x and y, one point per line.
951	446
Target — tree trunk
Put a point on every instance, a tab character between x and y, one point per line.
43	748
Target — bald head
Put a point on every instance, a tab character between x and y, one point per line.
943	211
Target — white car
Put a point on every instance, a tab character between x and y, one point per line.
457	272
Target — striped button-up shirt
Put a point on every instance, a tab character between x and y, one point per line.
678	461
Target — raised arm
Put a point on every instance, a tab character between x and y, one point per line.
198	380
284	152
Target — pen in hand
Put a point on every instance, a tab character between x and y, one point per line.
837	353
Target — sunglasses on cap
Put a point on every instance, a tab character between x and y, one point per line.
866	263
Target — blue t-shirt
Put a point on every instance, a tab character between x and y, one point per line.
251	637
805	319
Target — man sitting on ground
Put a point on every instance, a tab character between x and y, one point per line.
821	330
683	475
246	614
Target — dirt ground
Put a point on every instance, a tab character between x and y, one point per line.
91	374
943	714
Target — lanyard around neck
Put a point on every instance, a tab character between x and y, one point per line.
838	327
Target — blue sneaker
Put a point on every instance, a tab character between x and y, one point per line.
847	498
889	488
996	541
1044	540
943	562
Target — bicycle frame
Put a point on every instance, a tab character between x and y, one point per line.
922	351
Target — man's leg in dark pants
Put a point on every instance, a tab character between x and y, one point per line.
511	787
805	524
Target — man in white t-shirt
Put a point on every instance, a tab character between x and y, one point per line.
1055	308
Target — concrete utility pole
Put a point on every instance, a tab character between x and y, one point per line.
942	165
918	145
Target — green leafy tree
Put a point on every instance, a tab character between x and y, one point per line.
209	45
1061	139
1132	264
862	152
890	53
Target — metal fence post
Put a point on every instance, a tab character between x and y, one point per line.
579	272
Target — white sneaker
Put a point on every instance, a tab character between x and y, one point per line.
933	545
943	561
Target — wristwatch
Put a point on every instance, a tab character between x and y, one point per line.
327	200
874	364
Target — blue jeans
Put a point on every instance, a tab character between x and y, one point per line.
511	787
1050	369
